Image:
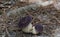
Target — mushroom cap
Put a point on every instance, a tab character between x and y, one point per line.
39	27
24	21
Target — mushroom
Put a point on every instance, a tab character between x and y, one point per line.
25	24
38	28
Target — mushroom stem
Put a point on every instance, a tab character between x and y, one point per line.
34	30
27	29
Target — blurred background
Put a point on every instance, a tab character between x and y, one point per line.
45	12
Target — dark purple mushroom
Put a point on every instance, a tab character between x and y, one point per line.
24	21
39	27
